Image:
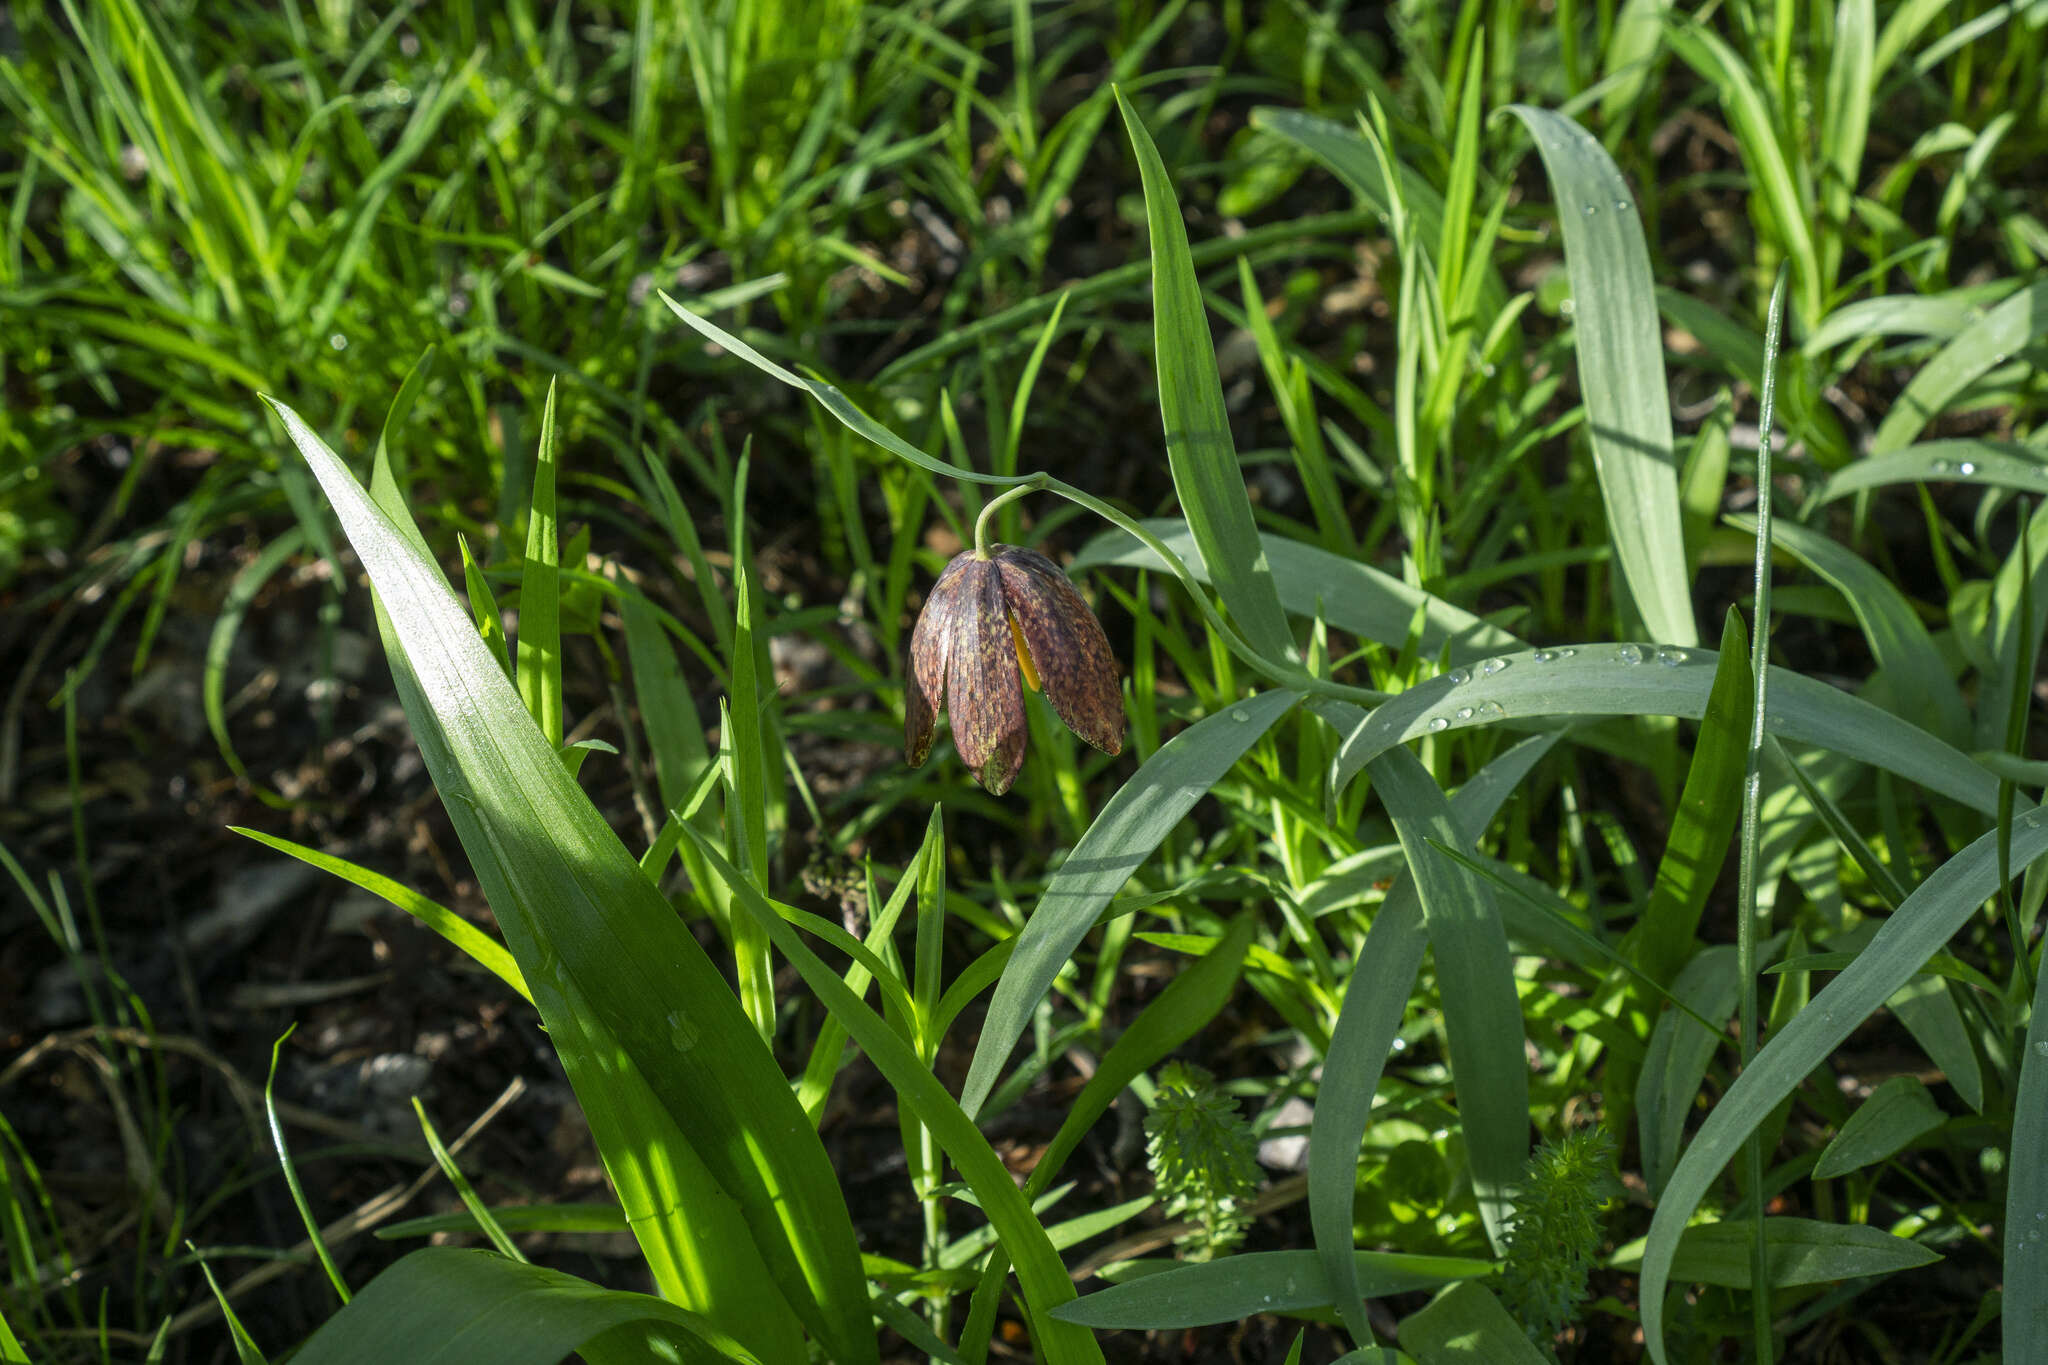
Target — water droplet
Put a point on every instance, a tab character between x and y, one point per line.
338	342
1240	715
1437	725
1628	654
1966	469
1491	709
1566	652
1460	676
1465	713
1565	308
1944	466
1621	206
1544	656
1491	667
1670	658
2041	1048
681	1032
1592	209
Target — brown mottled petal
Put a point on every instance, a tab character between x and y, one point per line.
1068	648
983	695
924	683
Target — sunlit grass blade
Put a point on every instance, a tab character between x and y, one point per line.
445	1305
1206	472
630	999
1643	680
2003	332
1621	370
473	942
1991	464
1123	836
1929	917
539	659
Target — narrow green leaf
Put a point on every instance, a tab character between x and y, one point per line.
1123	836
1919	683
1704	822
474	943
1935	910
636	1009
1676	1061
1991	464
2003	332
1042	1278
1896	1113
2026	1195
1800	1251
1621	370
1482	1013
1198	1294
1375	999
540	632
450	1306
1645	680
1467	1323
1346	593
1206	473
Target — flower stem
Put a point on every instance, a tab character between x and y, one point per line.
988	512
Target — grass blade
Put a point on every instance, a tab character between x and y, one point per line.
1929	917
1621	370
1124	834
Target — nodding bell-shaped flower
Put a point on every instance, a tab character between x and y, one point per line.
992	626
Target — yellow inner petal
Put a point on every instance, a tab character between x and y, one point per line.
1023	654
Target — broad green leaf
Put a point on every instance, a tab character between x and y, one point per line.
1621	370
1346	593
1993	464
1935	910
1040	1275
1648	680
2003	332
1123	836
1197	1294
1466	1323
1896	1113
1206	472
1800	1251
641	1017
449	1306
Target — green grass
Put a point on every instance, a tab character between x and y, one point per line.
1413	403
